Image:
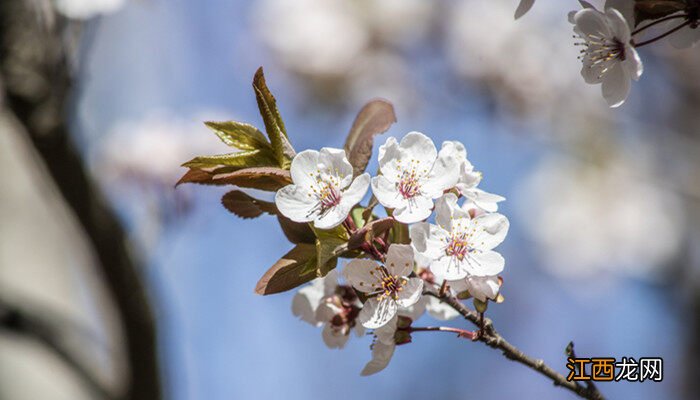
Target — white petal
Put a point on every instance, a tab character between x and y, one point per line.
335	162
592	74
377	313
326	311
305	303
387	333
489	231
428	240
389	154
386	192
411	292
294	202
303	164
359	274
440	310
592	22
485	263
483	287
625	7
416	310
418	208
356	191
633	64
329	282
399	259
334	338
445	171
620	27
616	85
332	217
416	146
446	209
449	268
381	355
484	200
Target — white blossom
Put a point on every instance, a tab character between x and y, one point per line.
460	245
413	174
388	285
479	287
382	348
335	307
608	56
323	190
470	179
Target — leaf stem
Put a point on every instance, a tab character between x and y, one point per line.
463	333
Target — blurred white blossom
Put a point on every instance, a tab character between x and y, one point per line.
85	9
589	219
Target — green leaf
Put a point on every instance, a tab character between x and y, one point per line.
239	135
241	159
246	206
286	273
399	233
374	118
262	178
480	306
330	244
282	149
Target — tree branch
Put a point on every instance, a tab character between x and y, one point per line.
35	73
493	339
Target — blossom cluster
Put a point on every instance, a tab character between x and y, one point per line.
607	37
415	181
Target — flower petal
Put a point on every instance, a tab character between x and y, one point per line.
489	231
417	209
483	287
335	162
305	303
332	217
592	22
428	240
616	85
381	356
449	268
359	273
304	167
416	146
294	202
386	192
356	191
414	311
440	310
386	334
633	64
484	200
485	263
389	154
445	171
619	26
411	292
334	338
399	259
376	313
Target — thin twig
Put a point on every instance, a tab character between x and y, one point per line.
493	339
652	40
463	333
658	21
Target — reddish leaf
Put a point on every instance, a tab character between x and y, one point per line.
374	118
296	232
263	178
246	206
286	273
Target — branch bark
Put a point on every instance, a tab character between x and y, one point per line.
35	73
493	339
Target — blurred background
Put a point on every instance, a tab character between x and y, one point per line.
114	284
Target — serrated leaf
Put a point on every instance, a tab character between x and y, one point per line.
262	178
286	273
246	206
282	149
374	118
296	232
239	135
241	159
